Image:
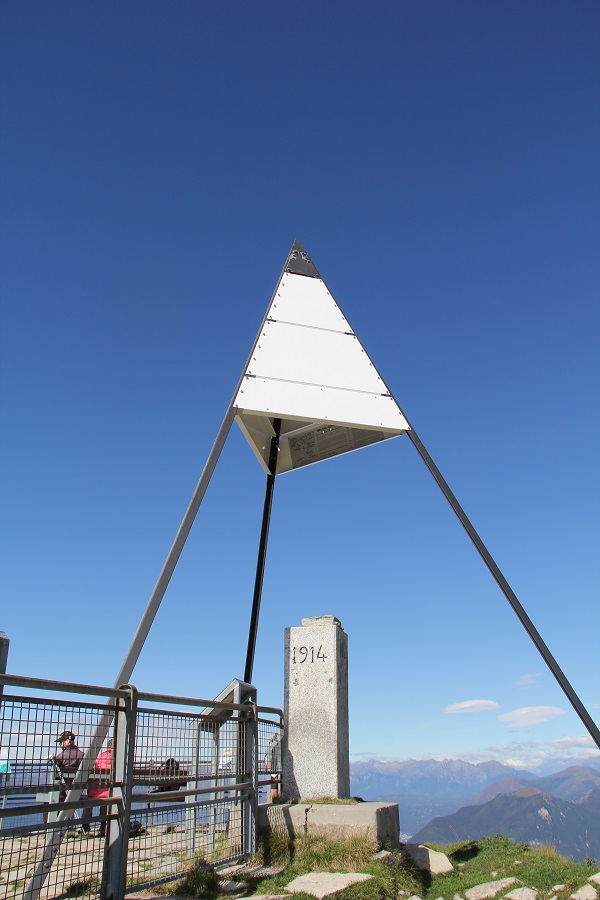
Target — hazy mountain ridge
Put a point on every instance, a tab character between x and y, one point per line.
571	784
427	789
452	778
529	816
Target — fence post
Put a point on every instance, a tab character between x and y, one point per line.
246	720
252	768
4	761
191	800
4	644
114	875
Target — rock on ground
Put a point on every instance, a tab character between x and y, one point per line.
523	893
429	860
489	889
322	884
587	892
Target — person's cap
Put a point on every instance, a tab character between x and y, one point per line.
65	736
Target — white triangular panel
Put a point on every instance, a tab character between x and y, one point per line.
309	369
306	301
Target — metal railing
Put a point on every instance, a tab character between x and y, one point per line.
177	789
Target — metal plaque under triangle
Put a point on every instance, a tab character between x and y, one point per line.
309	369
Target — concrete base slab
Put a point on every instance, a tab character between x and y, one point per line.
377	822
323	884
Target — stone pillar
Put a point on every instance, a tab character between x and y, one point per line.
315	757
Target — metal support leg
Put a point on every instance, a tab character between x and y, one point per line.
508	592
262	551
174	553
114	872
52	846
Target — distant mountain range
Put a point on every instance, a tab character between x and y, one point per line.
433	789
572	827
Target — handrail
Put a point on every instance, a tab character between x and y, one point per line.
73	687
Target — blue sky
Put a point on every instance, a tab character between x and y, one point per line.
439	162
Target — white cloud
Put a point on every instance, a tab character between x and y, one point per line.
528	680
472	706
580	740
531	715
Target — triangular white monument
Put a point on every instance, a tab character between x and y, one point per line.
309	369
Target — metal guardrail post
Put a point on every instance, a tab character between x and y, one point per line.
4	645
4	764
114	875
191	809
245	728
252	766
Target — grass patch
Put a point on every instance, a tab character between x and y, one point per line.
273	848
475	862
333	801
312	853
83	887
490	859
200	882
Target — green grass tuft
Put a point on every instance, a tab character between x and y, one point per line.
200	882
83	887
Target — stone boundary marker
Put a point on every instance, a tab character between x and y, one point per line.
315	746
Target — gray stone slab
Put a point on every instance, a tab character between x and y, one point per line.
377	822
428	860
489	889
323	884
248	871
233	887
522	893
587	892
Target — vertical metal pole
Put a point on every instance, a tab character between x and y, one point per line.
4	776
252	767
262	551
4	645
114	874
508	592
191	808
214	762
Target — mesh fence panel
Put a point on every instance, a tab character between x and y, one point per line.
191	783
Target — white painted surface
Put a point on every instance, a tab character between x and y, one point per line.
314	403
309	368
307	301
